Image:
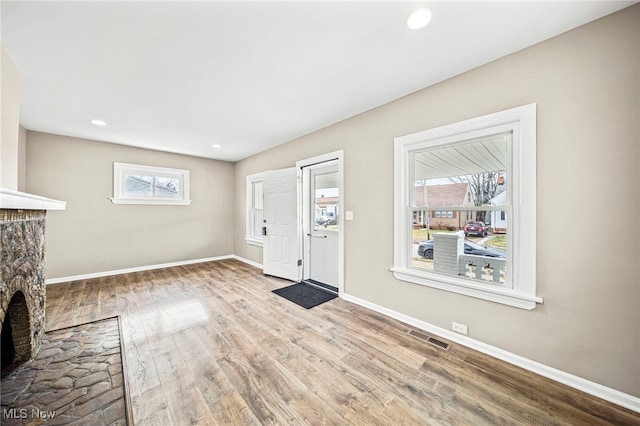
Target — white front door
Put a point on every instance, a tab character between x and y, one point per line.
324	220
280	252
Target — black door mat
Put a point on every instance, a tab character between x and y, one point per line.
305	295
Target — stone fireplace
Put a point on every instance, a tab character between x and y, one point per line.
22	287
22	274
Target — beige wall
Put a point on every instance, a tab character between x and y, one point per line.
94	235
22	159
587	87
11	88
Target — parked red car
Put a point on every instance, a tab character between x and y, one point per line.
475	228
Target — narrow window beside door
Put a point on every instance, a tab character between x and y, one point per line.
255	209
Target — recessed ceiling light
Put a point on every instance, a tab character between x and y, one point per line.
99	122
418	19
215	145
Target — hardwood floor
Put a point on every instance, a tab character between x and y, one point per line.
210	344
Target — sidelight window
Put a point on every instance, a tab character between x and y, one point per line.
255	209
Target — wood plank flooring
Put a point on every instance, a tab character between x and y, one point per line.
210	344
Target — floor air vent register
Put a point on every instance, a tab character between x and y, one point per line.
431	340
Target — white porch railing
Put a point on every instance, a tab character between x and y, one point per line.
482	267
449	258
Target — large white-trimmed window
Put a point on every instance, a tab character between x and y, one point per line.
139	184
483	170
255	209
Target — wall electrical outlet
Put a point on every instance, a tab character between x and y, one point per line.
460	328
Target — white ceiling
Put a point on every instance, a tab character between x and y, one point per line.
181	76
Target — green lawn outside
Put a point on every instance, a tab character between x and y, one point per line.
498	241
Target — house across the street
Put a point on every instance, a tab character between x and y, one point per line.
440	198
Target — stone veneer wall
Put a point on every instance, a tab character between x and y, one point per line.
22	269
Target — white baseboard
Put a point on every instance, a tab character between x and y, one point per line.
247	261
136	269
625	400
149	268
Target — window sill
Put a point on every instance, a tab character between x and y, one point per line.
253	242
454	285
151	202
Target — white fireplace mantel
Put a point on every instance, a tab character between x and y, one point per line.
10	199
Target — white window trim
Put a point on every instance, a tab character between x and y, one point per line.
251	179
122	169
522	122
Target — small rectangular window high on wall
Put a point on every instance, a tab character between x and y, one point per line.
139	184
